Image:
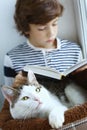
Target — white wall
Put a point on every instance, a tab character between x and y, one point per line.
67	23
10	38
8	34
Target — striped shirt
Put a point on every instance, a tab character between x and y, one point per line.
63	57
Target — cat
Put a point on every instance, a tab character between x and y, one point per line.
34	100
76	94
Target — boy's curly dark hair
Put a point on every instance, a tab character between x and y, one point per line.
35	12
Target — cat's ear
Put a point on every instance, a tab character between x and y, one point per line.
31	78
7	93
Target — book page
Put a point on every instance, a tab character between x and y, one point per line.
75	67
43	70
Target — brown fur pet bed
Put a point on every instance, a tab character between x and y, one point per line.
72	115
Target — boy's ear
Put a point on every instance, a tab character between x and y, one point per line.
27	33
7	93
31	78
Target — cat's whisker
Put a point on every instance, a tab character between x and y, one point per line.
24	113
27	112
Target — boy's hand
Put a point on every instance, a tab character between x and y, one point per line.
81	68
80	76
19	80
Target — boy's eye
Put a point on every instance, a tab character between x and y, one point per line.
55	24
41	29
25	98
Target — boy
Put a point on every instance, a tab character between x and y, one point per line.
37	20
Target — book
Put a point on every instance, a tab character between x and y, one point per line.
52	73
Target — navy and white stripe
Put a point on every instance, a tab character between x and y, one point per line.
60	59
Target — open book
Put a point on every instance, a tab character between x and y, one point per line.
52	73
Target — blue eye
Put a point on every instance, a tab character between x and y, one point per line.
25	98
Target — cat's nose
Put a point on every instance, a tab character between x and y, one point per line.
36	99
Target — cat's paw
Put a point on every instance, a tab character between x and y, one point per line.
56	117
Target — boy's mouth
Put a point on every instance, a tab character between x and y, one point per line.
50	40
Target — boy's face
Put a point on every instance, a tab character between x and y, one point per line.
43	36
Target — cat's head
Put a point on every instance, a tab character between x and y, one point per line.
27	100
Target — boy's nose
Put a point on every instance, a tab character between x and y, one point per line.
50	32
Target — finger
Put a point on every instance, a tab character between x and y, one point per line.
19	76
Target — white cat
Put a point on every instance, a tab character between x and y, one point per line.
76	94
34	100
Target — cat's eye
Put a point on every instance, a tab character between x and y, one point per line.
25	98
37	89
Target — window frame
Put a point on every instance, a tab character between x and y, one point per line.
80	7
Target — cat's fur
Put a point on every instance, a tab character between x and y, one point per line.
34	100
